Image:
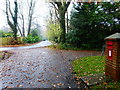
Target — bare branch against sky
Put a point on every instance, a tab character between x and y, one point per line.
82	0
41	11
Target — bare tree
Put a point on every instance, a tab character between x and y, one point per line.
26	12
30	14
53	14
23	25
12	17
22	19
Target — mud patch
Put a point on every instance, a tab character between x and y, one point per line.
4	55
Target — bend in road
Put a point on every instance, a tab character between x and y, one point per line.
41	44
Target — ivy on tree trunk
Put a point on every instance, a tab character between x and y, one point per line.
13	24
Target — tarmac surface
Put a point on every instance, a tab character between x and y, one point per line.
40	67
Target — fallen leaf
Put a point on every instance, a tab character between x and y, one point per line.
19	85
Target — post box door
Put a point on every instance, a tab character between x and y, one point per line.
110	49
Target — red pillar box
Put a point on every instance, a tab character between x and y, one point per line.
112	56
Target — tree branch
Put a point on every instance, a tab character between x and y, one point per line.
56	14
8	20
54	5
67	4
59	4
10	10
56	9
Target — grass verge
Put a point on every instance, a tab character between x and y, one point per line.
92	65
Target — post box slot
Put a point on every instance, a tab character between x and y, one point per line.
110	47
109	43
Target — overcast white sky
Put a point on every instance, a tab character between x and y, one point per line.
41	11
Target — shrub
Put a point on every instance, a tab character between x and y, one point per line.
64	46
31	39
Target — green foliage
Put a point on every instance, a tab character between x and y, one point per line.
64	46
31	39
6	34
90	23
54	32
72	37
34	32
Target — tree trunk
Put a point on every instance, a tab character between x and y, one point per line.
29	26
20	31
30	15
13	24
15	36
23	26
62	25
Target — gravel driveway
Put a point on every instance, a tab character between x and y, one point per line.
40	68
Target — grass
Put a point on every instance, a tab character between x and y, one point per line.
88	66
92	65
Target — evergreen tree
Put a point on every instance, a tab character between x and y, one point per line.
90	23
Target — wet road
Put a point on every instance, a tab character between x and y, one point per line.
40	68
41	44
